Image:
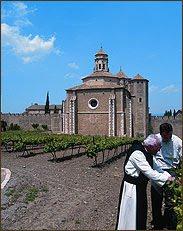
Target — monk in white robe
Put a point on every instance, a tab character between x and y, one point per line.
132	209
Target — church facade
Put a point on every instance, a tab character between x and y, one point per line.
106	104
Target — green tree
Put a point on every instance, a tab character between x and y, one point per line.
3	125
170	112
150	128
166	113
13	127
47	107
174	113
55	109
45	126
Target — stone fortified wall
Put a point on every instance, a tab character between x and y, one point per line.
176	122
54	121
26	121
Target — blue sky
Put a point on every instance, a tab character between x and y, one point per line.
50	46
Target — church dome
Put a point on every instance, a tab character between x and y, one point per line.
101	52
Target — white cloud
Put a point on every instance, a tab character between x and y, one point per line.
29	48
21	8
23	22
68	75
19	12
57	52
153	88
71	75
27	59
169	89
73	65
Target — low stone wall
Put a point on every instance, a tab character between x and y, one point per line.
175	122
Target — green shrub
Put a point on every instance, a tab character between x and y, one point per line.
140	135
3	125
35	126
176	188
150	129
14	127
45	127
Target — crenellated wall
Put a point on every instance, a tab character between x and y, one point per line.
175	122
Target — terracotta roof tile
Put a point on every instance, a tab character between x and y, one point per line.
138	77
101	86
101	73
121	74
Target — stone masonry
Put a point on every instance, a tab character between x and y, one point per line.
26	121
175	122
104	104
107	104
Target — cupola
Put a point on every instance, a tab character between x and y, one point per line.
101	61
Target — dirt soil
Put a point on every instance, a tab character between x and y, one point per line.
68	195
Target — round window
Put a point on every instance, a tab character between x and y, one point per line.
93	103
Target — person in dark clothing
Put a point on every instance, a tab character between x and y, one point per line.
132	208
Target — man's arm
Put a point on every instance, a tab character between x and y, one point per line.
139	161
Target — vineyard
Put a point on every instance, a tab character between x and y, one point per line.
101	149
176	189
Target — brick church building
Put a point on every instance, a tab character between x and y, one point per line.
106	104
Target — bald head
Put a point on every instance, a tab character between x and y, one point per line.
152	144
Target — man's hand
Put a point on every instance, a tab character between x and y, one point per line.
170	180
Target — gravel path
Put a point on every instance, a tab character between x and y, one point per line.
68	195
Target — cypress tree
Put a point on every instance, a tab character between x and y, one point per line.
174	112
47	107
55	109
170	112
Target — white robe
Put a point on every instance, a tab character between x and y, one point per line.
137	163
